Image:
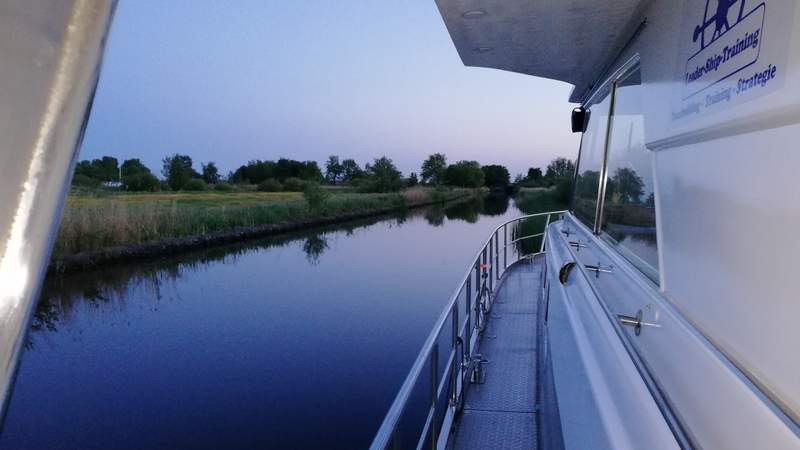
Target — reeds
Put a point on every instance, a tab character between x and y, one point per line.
94	223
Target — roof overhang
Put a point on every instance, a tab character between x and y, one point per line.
568	40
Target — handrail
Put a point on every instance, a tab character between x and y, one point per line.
429	354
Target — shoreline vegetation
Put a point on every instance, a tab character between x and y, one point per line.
101	229
118	213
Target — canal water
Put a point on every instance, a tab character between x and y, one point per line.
299	341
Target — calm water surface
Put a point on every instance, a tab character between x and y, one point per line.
296	342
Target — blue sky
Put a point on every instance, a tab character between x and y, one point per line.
231	81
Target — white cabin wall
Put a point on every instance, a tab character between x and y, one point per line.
728	203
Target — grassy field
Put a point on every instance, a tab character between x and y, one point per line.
93	223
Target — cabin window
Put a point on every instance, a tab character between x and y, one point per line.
628	210
590	161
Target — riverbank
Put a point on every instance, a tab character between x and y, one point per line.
101	230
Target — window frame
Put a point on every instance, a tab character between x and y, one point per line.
610	86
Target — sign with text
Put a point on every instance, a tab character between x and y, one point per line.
733	51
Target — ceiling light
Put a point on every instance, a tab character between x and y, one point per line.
483	49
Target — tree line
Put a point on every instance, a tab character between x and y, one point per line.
380	175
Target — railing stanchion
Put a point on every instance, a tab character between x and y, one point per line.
546	224
505	246
434	386
455	364
478	275
489	264
496	255
468	314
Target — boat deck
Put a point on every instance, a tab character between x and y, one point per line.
501	412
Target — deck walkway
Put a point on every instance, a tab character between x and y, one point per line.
500	414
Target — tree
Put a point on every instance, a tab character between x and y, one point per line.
412	180
351	171
383	176
141	181
104	169
433	169
107	168
464	174
627	184
496	176
559	168
131	167
307	170
210	173
333	169
534	174
178	171
254	172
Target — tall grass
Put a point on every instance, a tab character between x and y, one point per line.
95	223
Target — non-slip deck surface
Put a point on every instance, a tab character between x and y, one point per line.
500	414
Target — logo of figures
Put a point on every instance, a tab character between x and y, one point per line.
719	20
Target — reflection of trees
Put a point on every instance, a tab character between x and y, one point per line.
434	216
495	205
587	184
624	205
314	247
625	187
110	286
468	211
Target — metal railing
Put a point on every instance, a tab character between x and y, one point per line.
450	360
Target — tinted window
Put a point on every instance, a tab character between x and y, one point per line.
591	159
629	215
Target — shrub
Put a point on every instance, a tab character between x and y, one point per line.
143	181
224	187
315	196
82	180
564	190
294	185
439	195
195	184
270	185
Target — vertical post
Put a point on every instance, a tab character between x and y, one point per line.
455	364
544	233
491	278
478	275
467	313
434	386
483	269
505	246
496	255
603	181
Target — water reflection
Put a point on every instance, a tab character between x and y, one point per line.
243	346
110	287
314	247
495	204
